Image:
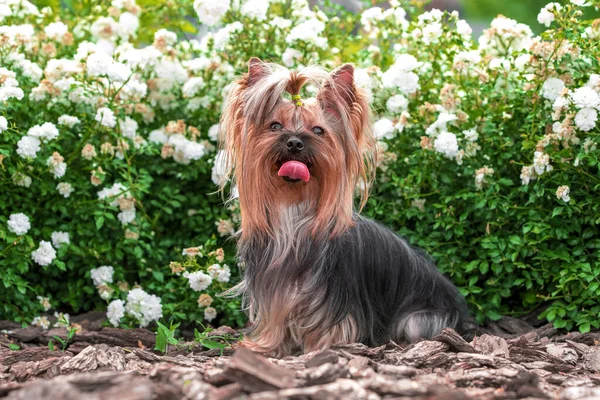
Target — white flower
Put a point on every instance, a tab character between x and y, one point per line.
102	275
541	163
104	28
370	16
581	3
129	128
185	149
471	135
256	9
499	64
594	82
46	131
165	36
198	64
62	320
560	103
546	16
158	136
589	145
198	280
41	321
585	97
57	165
431	33
213	132
21	179
384	129
280	23
56	30
522	61
44	254
446	144
192	87
101	64
128	24
399	75
19	223
68	120
210	12
480	175
586	119
126	216
3	124
45	302
115	311
114	193
144	307
551	88
562	193
471	56
463	28
219	169
418	203
440	125
527	174
396	104
220	273
60	238
308	31
65	189
106	117
290	56
210	313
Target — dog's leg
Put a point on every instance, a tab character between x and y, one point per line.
423	325
344	332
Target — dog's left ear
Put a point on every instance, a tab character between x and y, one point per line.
339	94
257	70
343	77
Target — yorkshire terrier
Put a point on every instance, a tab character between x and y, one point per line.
316	273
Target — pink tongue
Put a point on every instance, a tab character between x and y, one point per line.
294	170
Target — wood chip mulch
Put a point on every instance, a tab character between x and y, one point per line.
108	363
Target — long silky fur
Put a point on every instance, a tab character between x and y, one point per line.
316	273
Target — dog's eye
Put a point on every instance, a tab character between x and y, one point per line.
275	126
317	130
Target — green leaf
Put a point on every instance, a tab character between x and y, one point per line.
493	315
14	346
515	240
99	222
162	337
484	267
585	327
211	344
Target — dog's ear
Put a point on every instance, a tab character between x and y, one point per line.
257	70
343	77
339	94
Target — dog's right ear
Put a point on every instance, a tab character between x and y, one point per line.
257	70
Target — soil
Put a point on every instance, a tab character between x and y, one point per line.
511	360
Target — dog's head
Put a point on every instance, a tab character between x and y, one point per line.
284	146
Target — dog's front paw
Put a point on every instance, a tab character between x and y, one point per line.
254	347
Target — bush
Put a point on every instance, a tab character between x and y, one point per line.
488	156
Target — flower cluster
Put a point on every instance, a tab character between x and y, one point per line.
141	306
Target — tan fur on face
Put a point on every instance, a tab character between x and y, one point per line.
345	154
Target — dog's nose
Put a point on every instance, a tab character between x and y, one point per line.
294	144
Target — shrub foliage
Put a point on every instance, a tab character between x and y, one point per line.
487	151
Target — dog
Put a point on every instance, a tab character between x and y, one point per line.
316	273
